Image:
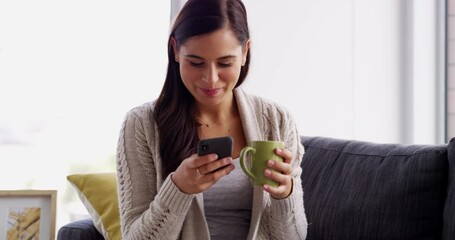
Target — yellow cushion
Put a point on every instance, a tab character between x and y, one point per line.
98	193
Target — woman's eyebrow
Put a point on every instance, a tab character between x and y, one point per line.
201	58
227	57
194	56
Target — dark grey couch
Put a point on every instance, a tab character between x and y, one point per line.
362	190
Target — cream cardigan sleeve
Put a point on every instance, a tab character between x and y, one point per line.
146	213
286	218
281	219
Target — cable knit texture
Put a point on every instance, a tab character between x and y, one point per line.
154	208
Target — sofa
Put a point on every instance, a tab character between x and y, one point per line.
365	190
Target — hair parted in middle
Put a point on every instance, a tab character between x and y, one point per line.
174	111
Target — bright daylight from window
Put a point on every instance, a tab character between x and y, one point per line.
69	72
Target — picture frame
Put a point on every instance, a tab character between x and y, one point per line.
28	214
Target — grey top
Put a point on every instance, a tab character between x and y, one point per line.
227	206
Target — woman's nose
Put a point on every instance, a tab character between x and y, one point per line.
211	74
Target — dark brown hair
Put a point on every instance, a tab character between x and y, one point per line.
174	109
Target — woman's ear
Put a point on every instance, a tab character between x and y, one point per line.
245	52
174	48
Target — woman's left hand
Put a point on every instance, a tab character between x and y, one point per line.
282	175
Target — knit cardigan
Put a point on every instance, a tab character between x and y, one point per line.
154	208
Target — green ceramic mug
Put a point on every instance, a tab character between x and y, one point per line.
254	157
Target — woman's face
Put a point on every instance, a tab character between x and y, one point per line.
210	66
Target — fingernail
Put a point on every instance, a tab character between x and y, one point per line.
268	172
279	150
271	163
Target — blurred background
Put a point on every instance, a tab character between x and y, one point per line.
373	70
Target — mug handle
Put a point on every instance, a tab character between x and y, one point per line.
243	158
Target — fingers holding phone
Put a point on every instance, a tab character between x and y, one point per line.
205	167
222	147
200	171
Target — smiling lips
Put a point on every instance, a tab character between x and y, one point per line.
210	91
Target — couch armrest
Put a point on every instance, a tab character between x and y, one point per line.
79	230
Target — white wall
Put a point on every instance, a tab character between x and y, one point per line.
378	70
341	67
303	59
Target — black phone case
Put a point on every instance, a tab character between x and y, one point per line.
222	146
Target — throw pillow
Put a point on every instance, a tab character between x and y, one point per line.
98	193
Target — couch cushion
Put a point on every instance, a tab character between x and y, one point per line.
361	190
79	230
449	210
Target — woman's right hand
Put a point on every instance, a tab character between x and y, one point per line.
198	173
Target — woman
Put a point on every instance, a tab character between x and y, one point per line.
165	190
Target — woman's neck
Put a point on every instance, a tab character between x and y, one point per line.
214	114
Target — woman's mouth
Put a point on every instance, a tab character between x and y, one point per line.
210	91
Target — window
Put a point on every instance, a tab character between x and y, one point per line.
69	72
450	69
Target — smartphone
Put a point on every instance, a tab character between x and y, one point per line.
222	146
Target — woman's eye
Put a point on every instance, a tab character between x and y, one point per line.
196	64
225	64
